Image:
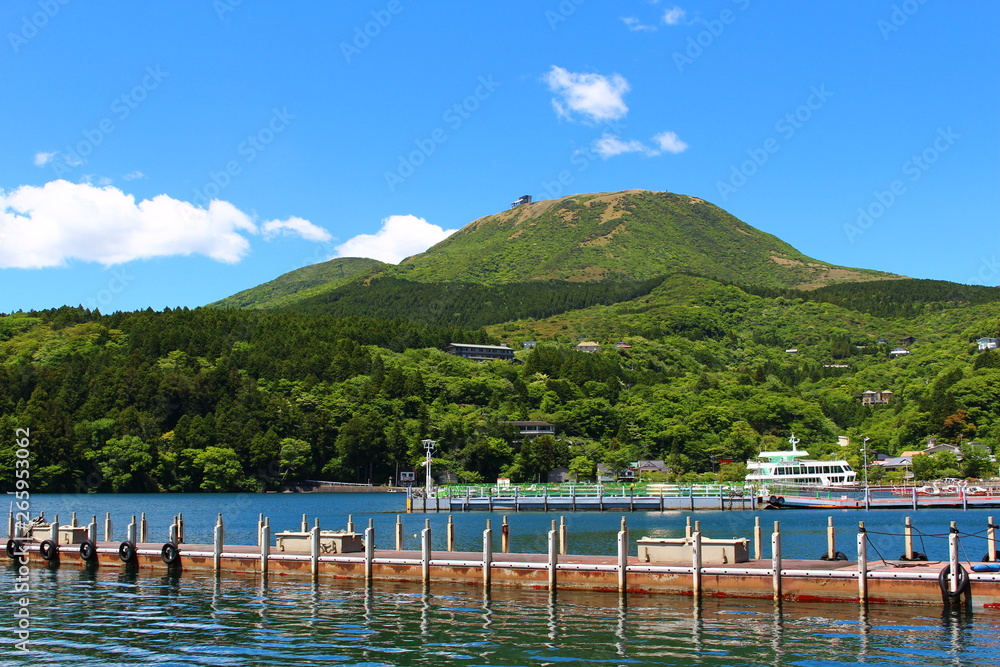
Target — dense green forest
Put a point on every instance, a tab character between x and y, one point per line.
213	399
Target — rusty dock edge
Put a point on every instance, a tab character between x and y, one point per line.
812	581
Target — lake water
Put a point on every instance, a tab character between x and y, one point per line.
109	617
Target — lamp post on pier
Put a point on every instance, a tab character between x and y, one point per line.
864	459
429	448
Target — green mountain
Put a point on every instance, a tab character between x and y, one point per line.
631	235
543	252
303	283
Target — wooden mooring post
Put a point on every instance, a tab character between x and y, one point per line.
450	534
862	563
696	564
505	536
218	538
562	536
369	551
265	545
756	538
623	558
487	557
553	559
908	539
425	554
991	539
776	562
831	540
399	532
314	536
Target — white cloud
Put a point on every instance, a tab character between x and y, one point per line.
595	97
674	15
133	175
635	25
610	145
94	179
42	158
61	221
294	225
399	237
670	142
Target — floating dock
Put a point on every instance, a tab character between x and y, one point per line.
582	498
692	565
666	497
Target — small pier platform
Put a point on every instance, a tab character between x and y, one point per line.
582	498
691	565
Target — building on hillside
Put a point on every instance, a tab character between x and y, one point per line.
521	201
898	351
876	397
986	344
558	476
622	345
792	350
480	352
903	463
529	344
640	468
933	447
606	475
588	346
909	340
532	429
843	440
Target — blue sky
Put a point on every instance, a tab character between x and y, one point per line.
171	154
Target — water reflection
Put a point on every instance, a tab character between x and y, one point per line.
864	632
621	645
778	632
119	617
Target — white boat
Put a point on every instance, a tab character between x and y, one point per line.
790	467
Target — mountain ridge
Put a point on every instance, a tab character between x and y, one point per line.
626	236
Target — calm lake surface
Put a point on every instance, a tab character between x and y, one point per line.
110	618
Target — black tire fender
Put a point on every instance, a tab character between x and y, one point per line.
126	551
963	581
169	553
49	550
88	551
12	548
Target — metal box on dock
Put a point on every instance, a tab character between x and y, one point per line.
680	550
330	542
67	534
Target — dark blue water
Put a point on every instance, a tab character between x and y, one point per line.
108	617
803	531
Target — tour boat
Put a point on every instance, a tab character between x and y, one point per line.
789	467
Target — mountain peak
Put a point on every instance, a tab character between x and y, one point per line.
627	235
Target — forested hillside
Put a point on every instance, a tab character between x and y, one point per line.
226	400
